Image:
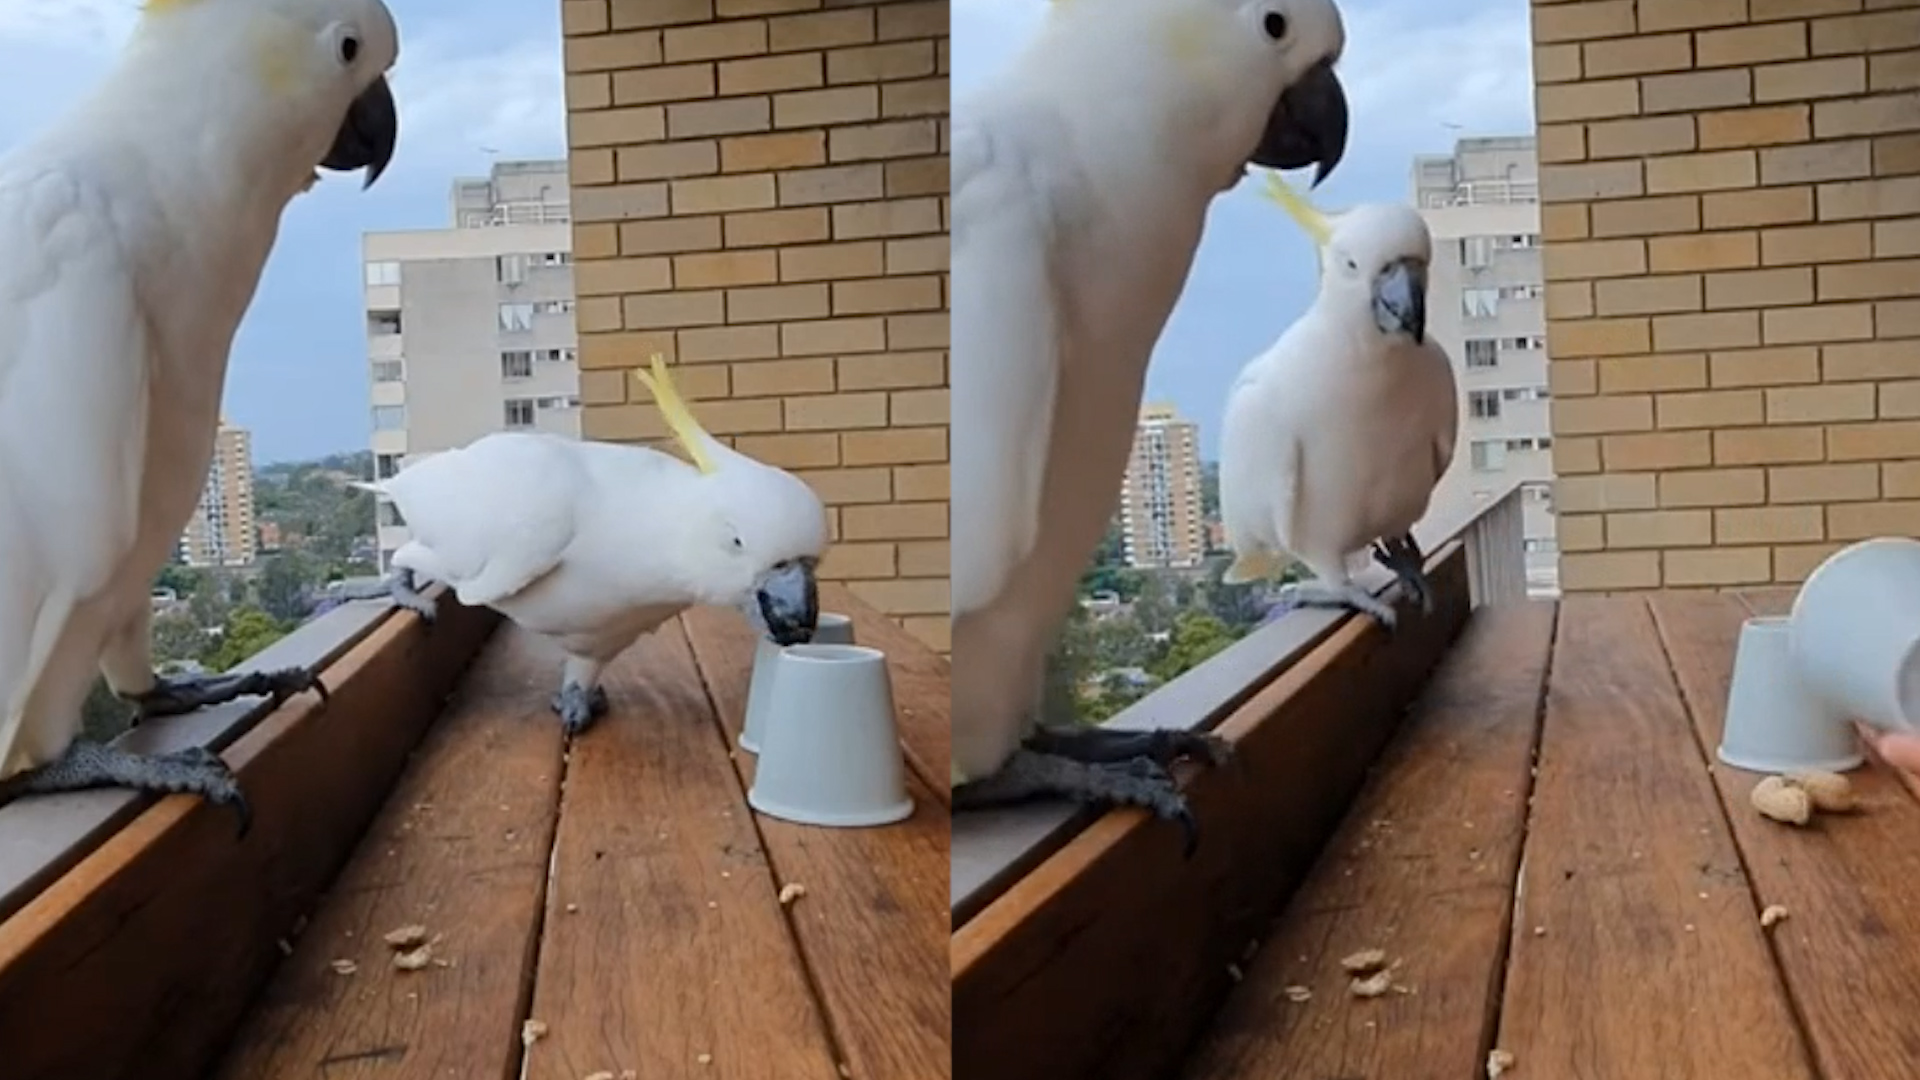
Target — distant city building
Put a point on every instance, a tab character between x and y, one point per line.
270	536
470	329
1485	305
1160	515
221	532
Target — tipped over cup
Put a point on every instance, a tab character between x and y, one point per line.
1856	633
831	628
1774	724
832	754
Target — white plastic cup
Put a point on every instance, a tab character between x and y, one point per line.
832	628
832	755
1856	633
1774	724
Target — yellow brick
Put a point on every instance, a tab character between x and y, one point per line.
1893	197
1868	360
869	142
663	161
1768	10
1793	562
1704	251
1764	367
1866	116
1598	180
1599	337
597	313
836	183
896	446
1769	125
622	423
1647	295
1658	15
1760	288
1897	318
720	194
1604	492
1716	171
625	349
593	90
1717	566
1901	479
1639	137
825	30
1868	281
715	41
1750	45
917	255
816	108
1639	55
1602	571
1824	483
775	378
1709	409
1563	222
718	116
1659	529
934	633
1900	400
1768	445
1896	155
826	337
606	127
929	558
1556	63
1893	239
1865	33
852	562
645	86
660	311
890	217
603	387
1557	103
1572	378
611	277
777	303
920	176
918	407
881	63
612	52
1767	206
822	262
1584	260
897	521
891	370
1651	452
666	237
1580	532
1560	142
770	74
886	294
722	269
1575	456
1580	21
718	343
1821	323
1712	487
740	417
632	14
904	596
1893	71
912	483
836	412
591	167
778	227
1642	217
916	97
924	18
1721	89
1878	441
1568	300
583	17
1865	520
793	451
619	202
1816	244
1820	404
1645	374
1717	330
926	330
595	241
1810	79
1597	415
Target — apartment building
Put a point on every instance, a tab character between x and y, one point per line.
760	196
1485	306
1161	524
221	531
1731	211
471	328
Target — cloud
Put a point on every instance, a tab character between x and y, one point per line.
95	26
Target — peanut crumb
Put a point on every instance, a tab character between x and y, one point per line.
790	892
1365	961
1298	994
1373	985
1498	1062
344	967
413	959
407	937
532	1032
1773	914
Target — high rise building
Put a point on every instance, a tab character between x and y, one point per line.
470	329
1485	307
1161	523
221	532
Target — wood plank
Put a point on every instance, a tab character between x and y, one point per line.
921	686
460	847
1652	962
1423	867
139	961
1106	960
872	925
677	946
1850	948
43	836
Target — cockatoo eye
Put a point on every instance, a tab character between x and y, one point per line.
738	544
1275	24
346	45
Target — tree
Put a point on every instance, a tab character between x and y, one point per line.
104	715
177	638
1155	608
1240	607
247	631
1196	637
283	585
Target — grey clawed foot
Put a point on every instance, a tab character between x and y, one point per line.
1402	556
1319	594
579	707
87	765
1096	744
173	695
405	593
1137	781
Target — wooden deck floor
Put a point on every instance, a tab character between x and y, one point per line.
1562	870
623	895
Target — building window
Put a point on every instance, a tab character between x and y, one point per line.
556	356
383	323
1524	393
383	272
1521	292
1476	252
515	318
389	417
558	401
388	515
1483	404
386	466
1480	303
389	371
552	307
511	269
516	364
519	412
556	258
1487	455
1482	353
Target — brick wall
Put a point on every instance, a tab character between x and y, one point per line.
760	194
1732	228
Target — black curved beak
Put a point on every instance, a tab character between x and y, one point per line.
1308	125
789	602
367	135
1400	299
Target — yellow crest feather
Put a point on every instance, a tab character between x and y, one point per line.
686	430
1299	209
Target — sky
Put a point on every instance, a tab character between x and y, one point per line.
476	79
1419	74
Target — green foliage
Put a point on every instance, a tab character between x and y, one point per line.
1197	636
284	583
177	638
104	716
247	631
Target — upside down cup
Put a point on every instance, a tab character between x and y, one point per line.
1774	723
832	754
831	628
1856	633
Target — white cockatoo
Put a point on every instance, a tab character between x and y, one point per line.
135	230
592	544
1082	176
1335	437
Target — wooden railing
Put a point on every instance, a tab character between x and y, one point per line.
1084	945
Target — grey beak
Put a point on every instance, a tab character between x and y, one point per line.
789	602
367	136
1400	300
1308	125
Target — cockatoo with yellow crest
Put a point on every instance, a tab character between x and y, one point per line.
592	544
1082	176
1335	437
135	230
